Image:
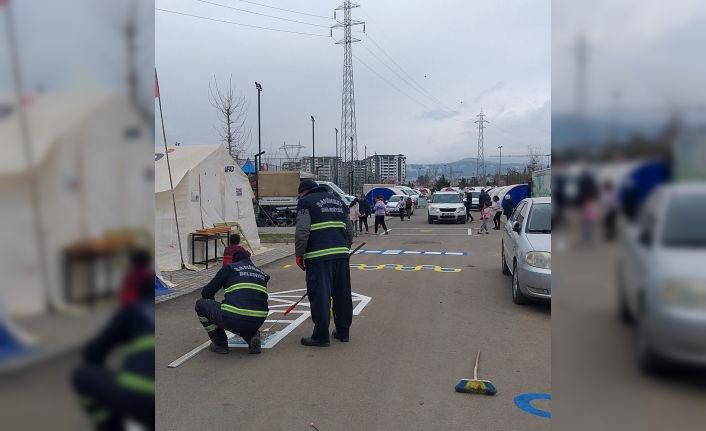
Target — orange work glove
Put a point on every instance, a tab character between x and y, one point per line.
300	262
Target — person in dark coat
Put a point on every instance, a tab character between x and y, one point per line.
469	202
365	212
508	207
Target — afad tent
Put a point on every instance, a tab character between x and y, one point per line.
93	175
209	187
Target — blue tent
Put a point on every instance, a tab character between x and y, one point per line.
517	192
385	192
248	167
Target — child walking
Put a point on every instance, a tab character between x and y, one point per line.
485	216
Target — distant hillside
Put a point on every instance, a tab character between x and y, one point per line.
463	168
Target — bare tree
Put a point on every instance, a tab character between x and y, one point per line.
232	115
535	160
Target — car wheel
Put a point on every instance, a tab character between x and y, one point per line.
429	220
623	310
647	360
503	263
517	296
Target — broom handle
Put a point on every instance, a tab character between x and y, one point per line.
291	307
475	369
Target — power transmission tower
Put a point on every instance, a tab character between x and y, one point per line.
349	138
480	160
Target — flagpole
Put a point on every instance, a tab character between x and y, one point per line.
169	167
27	144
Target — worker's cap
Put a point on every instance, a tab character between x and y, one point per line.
306	185
508	197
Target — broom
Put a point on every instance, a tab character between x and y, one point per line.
475	386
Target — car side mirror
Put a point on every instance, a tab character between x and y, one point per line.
517	227
646	238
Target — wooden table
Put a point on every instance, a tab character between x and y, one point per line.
204	236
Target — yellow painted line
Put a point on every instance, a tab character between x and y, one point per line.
425	230
286	266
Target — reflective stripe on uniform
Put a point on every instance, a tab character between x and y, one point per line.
327	224
252	286
204	319
210	328
145	342
243	311
100	416
136	382
326	252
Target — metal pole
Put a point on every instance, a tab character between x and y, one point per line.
336	161
352	167
27	144
259	143
313	143
500	169
169	168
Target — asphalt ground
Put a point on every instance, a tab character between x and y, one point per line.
597	382
410	345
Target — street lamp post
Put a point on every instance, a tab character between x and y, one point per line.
313	142
336	161
500	168
259	143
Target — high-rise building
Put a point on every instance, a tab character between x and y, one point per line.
327	169
387	167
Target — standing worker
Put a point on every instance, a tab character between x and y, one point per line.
322	241
508	207
244	308
409	207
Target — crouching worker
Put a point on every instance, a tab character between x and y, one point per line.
244	307
112	396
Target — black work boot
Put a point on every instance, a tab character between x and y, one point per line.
215	348
254	344
308	341
343	339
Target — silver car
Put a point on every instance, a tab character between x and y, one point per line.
526	250
661	278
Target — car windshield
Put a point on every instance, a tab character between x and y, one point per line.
540	219
451	198
685	227
475	194
395	198
336	189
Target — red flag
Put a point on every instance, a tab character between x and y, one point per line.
156	84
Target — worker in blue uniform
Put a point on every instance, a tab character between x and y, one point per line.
244	307
111	396
323	237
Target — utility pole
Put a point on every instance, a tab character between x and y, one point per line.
500	169
336	161
312	144
352	167
480	160
259	143
349	137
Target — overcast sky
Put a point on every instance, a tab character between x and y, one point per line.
650	52
468	54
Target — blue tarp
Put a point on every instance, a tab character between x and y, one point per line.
160	288
248	167
517	192
10	346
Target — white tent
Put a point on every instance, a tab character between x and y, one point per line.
209	187
91	162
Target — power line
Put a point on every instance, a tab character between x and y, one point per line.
421	88
262	14
391	69
389	83
241	24
285	10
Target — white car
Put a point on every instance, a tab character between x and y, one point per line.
393	204
661	278
446	206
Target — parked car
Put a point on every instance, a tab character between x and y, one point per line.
446	206
526	248
393	204
661	282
